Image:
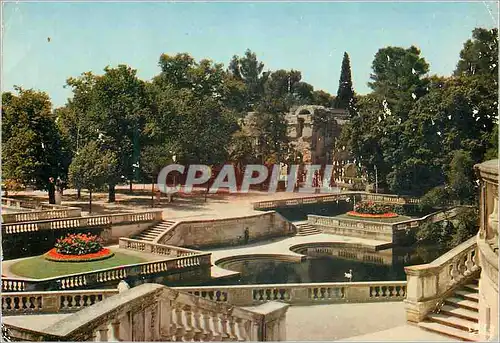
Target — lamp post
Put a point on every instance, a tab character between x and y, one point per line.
376	179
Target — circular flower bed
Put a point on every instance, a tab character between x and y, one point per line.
78	248
53	255
370	209
368	215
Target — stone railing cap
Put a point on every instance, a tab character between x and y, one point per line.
89	314
268	308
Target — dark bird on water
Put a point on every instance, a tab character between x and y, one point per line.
48	39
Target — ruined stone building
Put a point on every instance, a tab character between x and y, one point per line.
314	132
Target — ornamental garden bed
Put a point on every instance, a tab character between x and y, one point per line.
393	220
368	215
39	267
53	255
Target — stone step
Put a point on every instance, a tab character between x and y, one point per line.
156	230
164	226
455	322
460	313
463	303
472	287
468	295
149	239
147	234
308	233
449	331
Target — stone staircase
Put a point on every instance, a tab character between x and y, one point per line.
306	229
154	232
457	316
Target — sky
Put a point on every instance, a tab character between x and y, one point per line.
309	37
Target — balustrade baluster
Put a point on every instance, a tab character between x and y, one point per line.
243	333
217	333
224	331
454	273
115	331
208	333
179	325
232	329
189	329
198	332
103	333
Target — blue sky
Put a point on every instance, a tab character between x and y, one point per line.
310	37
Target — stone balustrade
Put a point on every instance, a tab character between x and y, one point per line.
30	204
102	276
67	212
81	222
391	232
429	284
20	303
153	312
386	198
157	249
303	293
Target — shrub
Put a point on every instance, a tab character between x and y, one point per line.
78	244
370	207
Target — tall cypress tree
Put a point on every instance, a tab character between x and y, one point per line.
345	92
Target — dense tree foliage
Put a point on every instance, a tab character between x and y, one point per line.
425	131
32	147
92	168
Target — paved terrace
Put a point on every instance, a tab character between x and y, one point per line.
184	206
349	322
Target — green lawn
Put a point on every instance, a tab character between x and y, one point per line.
379	220
39	268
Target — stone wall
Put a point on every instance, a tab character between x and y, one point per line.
230	231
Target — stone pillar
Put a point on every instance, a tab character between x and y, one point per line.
273	325
487	245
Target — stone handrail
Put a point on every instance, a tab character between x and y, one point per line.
389	231
18	303
76	222
154	248
153	312
429	284
67	212
302	293
30	204
388	198
101	276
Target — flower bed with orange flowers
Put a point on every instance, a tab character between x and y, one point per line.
78	248
53	255
368	215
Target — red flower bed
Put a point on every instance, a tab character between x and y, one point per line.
53	255
367	215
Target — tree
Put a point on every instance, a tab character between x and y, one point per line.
153	159
479	55
461	177
322	98
92	168
397	77
115	106
32	149
251	71
345	92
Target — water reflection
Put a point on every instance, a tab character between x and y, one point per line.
330	265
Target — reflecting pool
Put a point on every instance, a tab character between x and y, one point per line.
384	265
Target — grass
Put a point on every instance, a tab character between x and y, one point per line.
378	220
39	268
